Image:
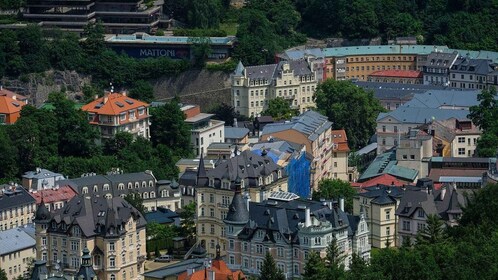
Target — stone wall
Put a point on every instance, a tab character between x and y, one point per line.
202	87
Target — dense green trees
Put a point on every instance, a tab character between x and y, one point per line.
136	201
335	189
349	107
225	112
279	109
485	116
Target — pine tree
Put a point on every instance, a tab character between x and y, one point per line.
335	261
269	270
314	268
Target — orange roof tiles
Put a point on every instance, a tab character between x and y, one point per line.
340	138
64	193
113	104
11	105
220	269
397	74
13	95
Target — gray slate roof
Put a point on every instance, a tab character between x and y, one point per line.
247	165
14	196
283	217
175	269
13	240
237	211
472	66
272	71
95	215
440	59
310	123
235	132
40	174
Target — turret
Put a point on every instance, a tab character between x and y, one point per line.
86	271
42	218
238	214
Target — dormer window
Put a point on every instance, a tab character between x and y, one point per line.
95	188
211	182
137	185
84	190
242	183
225	185
130	185
279	174
260	181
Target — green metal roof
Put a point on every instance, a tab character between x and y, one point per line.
383	50
386	164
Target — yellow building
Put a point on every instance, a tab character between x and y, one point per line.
17	250
17	206
340	155
379	203
358	62
111	229
259	176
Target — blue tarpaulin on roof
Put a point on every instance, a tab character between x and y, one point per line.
299	173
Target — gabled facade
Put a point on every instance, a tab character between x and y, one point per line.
315	132
290	228
115	112
258	176
111	229
254	86
437	68
469	73
40	179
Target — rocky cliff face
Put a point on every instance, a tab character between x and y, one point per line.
201	87
37	86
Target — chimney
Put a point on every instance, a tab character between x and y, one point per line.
14	97
190	270
106	97
307	217
124	93
443	192
341	204
96	97
235	123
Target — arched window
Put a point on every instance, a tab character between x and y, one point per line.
113	277
84	190
137	185
121	186
163	193
151	184
130	185
144	184
145	195
242	183
279	174
106	187
152	194
260	181
95	188
108	196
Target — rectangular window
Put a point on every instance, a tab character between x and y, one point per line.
421	213
461	151
388	215
461	139
406	225
211	198
112	246
75	246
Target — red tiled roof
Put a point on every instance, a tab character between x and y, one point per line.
384	179
64	193
13	95
220	269
397	74
113	104
436	173
340	138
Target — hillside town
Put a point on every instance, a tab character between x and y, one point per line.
358	157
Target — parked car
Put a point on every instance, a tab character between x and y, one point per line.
164	258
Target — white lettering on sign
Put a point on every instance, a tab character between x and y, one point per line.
157	52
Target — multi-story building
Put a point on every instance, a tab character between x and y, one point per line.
468	73
236	135
259	176
254	86
55	197
10	106
315	132
315	58
437	67
204	130
115	112
112	230
17	250
414	151
116	184
290	229
40	179
396	76
416	205
340	155
423	108
17	207
379	204
117	17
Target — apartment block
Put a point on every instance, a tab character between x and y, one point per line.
254	86
111	230
17	250
437	67
40	179
17	207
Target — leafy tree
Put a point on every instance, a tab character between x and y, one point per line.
3	275
168	128
187	216
142	90
204	13
314	268
351	107
8	156
335	189
269	270
335	260
201	48
279	109
136	201
31	47
120	141
94	43
157	253
225	112
485	115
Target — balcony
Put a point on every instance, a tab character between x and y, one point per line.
222	205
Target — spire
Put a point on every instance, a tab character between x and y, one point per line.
86	271
239	71
237	211
201	170
42	214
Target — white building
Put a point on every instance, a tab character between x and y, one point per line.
254	86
